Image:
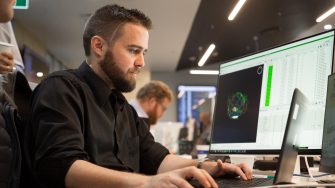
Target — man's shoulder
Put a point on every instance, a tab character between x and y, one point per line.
61	79
62	73
69	75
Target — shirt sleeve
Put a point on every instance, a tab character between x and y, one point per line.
56	125
7	35
151	153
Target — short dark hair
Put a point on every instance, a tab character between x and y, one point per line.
106	21
157	89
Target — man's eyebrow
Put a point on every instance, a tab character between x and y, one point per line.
137	46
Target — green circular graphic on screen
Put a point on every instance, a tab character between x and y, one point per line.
237	105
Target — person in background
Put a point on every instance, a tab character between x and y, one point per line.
8	61
152	100
205	124
205	119
85	133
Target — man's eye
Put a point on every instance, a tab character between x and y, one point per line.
134	51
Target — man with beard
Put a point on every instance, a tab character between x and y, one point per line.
152	100
83	131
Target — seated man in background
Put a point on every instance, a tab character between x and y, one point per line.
85	133
205	119
152	100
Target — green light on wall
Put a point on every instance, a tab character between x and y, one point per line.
21	4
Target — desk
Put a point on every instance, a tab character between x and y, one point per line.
304	185
300	181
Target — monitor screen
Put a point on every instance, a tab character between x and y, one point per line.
327	163
254	95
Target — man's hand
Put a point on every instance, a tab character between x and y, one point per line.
219	168
178	178
6	62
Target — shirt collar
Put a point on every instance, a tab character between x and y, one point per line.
99	88
139	109
119	98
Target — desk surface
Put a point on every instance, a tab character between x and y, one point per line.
304	185
301	181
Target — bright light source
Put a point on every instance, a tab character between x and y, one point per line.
206	55
236	9
325	15
39	74
327	27
206	72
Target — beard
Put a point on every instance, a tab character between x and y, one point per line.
116	75
152	115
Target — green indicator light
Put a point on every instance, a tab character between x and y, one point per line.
268	86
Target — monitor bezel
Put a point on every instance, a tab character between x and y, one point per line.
272	151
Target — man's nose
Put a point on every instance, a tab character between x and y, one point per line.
140	62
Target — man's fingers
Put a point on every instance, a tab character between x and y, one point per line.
224	167
239	171
246	169
6	62
202	176
5	68
210	179
180	182
7	55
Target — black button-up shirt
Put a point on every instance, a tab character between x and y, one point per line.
77	116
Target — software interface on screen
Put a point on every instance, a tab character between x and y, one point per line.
254	95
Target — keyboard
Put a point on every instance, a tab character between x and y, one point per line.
237	182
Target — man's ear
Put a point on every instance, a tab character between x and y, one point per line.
98	46
152	101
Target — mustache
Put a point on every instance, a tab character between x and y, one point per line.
135	70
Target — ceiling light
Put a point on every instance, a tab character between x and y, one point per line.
206	72
325	15
39	74
327	27
236	9
206	55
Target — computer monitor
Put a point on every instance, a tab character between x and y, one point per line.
254	94
327	163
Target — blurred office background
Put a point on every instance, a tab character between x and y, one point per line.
49	34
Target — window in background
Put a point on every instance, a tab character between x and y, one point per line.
190	98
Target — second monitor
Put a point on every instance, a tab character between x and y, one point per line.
254	94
